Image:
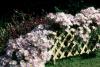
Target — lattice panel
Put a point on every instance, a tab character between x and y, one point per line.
66	46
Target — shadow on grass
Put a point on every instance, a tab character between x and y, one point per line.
88	56
85	60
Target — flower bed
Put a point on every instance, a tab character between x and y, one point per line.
63	35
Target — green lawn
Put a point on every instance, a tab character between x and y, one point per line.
77	62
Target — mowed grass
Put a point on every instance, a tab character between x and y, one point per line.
88	61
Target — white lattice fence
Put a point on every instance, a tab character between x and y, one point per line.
65	46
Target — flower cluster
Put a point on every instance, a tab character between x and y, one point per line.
61	18
86	16
85	21
30	50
